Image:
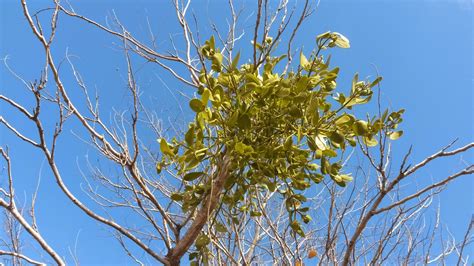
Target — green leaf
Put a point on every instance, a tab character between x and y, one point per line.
317	178
159	167
370	141
375	82
212	42
306	218
193	163
300	197
202	241
217	62
360	128
235	61
196	105
242	148
165	148
343	119
295	225
330	153
311	143
193	255
341	41
346	178
354	83
244	121
295	111
176	196
189	136
205	96
313	166
272	186
299	135
192	176
288	142
325	166
253	78
336	137
323	35
269	40
255	214
320	142
395	135
303	61
220	228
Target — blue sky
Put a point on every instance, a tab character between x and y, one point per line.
423	49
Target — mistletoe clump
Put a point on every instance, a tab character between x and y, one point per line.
281	132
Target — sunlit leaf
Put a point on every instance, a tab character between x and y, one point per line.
341	41
360	128
165	148
303	61
242	148
205	96
259	119
395	135
370	141
217	62
323	35
235	61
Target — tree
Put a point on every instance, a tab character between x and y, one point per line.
235	186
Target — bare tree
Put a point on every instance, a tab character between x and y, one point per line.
373	220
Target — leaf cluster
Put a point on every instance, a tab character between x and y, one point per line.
283	131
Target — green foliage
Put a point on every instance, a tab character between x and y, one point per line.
282	131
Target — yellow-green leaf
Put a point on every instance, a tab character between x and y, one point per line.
165	148
235	61
192	176
395	135
202	241
323	35
303	61
360	128
242	148
343	119
189	136
341	40
196	105
217	62
288	142
346	178
159	167
206	94
320	142
371	142
220	228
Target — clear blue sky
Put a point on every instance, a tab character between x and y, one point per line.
423	49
